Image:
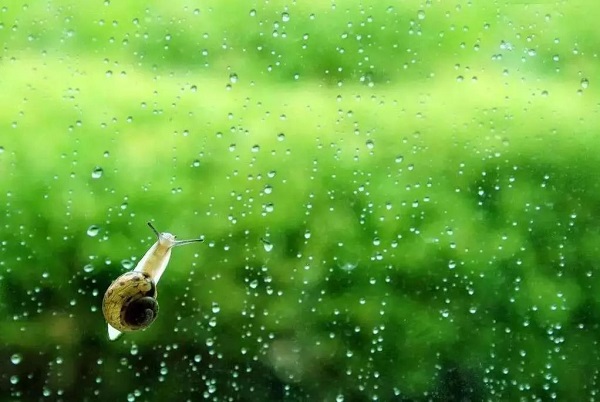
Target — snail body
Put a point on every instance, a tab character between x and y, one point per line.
129	303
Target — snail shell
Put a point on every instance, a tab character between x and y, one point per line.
130	303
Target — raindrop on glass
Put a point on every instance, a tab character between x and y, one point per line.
93	230
585	83
267	245
16	358
97	172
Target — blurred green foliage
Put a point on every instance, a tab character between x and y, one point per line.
399	201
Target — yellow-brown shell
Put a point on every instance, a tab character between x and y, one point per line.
129	303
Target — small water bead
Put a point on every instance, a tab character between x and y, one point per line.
97	172
585	83
93	230
16	358
267	245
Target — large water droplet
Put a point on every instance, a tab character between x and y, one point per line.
16	358
267	245
93	230
585	83
97	172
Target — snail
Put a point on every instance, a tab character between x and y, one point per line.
129	303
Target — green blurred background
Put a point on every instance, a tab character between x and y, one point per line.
399	200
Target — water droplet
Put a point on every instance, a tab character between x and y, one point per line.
127	264
585	83
370	144
93	230
233	78
215	308
267	245
88	268
348	267
285	17
16	358
421	14
280	137
97	172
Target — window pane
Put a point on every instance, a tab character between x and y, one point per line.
393	201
